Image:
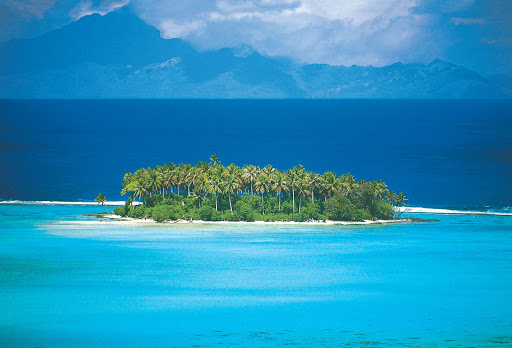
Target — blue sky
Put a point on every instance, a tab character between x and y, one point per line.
476	34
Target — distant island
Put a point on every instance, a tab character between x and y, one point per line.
214	192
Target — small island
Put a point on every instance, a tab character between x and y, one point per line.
210	191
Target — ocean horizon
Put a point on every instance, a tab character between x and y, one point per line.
441	154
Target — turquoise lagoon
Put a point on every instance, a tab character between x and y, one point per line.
445	284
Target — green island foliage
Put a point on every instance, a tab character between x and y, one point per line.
214	192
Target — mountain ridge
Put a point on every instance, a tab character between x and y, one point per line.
118	55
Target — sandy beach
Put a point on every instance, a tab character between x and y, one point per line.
112	218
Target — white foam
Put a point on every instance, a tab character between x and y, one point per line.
421	210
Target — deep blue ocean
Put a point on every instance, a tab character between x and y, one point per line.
72	280
440	153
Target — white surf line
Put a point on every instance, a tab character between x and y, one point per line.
421	210
108	203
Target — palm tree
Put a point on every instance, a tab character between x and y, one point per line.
167	180
377	188
233	169
391	197
127	179
101	199
188	176
160	172
202	166
262	185
179	176
293	181
300	171
152	180
230	184
329	183
214	160
303	190
250	174
279	185
140	191
313	181
268	169
400	200
169	177
201	186
344	187
215	187
349	178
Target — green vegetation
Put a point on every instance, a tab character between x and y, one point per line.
213	192
101	199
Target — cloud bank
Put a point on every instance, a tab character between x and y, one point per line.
365	32
473	33
88	7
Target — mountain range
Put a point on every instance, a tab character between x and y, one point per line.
118	55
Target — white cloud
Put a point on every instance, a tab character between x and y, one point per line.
88	7
467	21
344	32
172	29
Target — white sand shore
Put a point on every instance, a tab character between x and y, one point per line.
126	220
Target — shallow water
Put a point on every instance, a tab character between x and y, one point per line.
433	284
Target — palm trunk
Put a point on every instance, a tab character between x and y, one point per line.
216	201
300	201
230	206
178	190
106	208
293	195
279	198
251	188
262	203
313	195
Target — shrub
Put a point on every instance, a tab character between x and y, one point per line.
297	217
216	215
244	211
118	211
340	208
161	213
283	217
322	217
205	213
228	217
126	209
311	211
258	217
382	210
362	214
138	212
287	207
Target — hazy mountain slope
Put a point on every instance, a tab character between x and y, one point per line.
119	56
